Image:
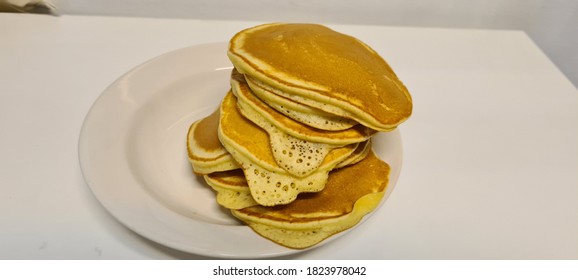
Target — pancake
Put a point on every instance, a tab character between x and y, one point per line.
351	193
316	66
298	154
300	112
206	154
249	145
232	189
359	154
243	92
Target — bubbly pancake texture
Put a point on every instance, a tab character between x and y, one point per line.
249	101
206	154
298	157
315	63
249	145
232	189
351	193
293	152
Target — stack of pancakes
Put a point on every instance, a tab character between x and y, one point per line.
289	149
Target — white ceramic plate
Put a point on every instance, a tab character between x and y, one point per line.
133	155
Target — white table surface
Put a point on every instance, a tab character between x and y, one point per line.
490	154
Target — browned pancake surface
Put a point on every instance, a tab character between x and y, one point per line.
344	187
345	69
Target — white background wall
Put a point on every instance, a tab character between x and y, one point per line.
552	24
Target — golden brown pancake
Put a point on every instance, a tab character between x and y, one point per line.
322	68
351	193
206	154
249	145
295	146
232	189
359	154
300	112
243	92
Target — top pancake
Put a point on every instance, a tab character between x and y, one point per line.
316	65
